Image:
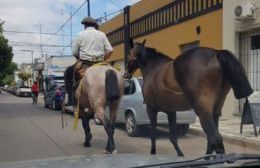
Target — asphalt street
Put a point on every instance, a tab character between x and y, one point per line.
28	133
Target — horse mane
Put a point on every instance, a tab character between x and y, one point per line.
154	55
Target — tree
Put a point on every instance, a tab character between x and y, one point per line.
8	74
11	68
24	76
8	80
6	54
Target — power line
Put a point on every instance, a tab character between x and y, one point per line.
28	32
103	17
36	44
112	13
21	45
39	51
69	45
68	19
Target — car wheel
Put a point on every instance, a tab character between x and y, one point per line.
131	126
182	129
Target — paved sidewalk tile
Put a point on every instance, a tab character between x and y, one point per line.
229	128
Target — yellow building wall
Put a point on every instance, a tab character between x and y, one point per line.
118	53
139	9
146	6
113	24
168	40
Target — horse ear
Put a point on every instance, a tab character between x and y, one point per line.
131	43
144	42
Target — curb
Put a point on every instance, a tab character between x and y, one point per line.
229	138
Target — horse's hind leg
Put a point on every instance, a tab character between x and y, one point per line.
109	125
217	113
210	150
85	124
172	132
152	114
215	141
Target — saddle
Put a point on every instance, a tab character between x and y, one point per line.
81	66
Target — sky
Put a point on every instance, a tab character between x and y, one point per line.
47	16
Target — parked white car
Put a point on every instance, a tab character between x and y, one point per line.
24	91
132	111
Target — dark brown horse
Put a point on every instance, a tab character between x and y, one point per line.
199	78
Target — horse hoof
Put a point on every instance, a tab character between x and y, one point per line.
180	154
207	158
153	151
114	151
106	152
87	144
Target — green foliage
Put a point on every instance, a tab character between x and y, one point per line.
11	68
8	80
6	56
7	73
24	76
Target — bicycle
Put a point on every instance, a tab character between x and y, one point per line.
34	98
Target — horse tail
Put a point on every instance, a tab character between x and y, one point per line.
112	88
234	72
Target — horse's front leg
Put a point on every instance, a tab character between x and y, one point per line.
152	114
85	117
172	132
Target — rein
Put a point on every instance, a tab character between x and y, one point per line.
76	116
102	64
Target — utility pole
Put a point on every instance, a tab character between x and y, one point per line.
62	32
88	7
105	16
41	39
71	28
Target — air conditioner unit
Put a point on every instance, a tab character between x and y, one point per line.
245	11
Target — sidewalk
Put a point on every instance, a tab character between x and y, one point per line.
230	131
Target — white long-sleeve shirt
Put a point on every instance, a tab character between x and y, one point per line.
90	44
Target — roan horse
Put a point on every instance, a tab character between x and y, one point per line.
200	78
100	86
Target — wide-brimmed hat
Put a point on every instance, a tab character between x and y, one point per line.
89	20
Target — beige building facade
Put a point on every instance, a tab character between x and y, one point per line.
241	32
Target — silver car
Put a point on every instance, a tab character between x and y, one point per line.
132	111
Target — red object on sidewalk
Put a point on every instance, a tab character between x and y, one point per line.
35	88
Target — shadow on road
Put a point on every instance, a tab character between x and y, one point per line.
144	132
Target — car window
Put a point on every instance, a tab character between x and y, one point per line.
132	87
127	87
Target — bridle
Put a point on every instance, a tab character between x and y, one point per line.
130	63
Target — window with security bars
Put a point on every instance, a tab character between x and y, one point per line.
249	55
255	42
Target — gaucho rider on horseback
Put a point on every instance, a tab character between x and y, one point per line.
90	47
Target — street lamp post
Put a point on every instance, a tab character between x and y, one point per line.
31	51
